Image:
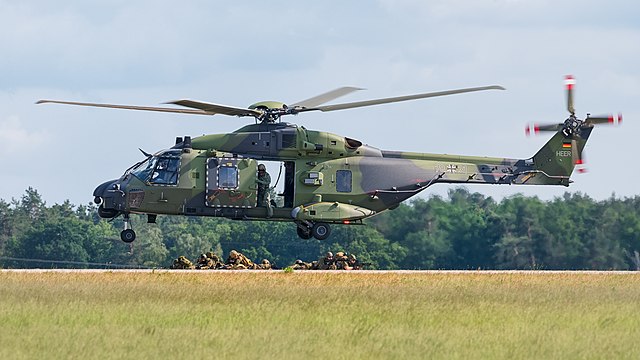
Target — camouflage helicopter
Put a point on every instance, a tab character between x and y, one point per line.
328	178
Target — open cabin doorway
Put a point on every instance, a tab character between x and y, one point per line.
282	174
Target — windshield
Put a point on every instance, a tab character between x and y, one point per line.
160	169
143	170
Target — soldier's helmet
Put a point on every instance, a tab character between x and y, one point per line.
265	262
203	256
352	257
261	167
233	254
329	254
340	254
298	261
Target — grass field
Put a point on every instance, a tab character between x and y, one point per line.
340	315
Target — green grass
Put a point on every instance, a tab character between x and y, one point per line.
338	315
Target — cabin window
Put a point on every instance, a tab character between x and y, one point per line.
343	181
228	177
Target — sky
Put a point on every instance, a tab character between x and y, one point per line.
238	53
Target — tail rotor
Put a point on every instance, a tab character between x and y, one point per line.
574	131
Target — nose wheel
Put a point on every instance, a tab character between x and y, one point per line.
127	235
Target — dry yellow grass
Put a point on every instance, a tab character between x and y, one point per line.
337	315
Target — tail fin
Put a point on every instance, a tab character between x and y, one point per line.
558	158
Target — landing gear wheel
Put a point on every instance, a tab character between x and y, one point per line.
321	231
128	235
303	234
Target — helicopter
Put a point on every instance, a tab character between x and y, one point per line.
328	179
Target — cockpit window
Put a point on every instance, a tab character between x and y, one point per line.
166	171
143	170
161	169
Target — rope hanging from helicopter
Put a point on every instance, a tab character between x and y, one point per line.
278	179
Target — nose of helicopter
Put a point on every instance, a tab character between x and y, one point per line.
100	190
110	197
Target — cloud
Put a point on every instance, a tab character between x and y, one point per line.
15	138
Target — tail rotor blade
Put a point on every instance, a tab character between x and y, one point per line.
548	127
533	129
605	119
570	82
577	157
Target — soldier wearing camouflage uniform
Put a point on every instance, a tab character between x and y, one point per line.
182	263
237	261
353	263
301	265
264	265
341	261
216	260
263	180
205	263
327	262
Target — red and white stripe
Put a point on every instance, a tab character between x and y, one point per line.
569	81
531	129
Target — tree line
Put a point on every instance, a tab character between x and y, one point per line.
463	231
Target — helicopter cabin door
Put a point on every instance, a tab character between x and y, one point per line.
231	182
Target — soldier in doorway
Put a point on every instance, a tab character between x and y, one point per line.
263	180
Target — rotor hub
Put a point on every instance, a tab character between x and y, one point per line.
571	126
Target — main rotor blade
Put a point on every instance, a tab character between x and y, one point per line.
326	97
400	98
128	107
216	108
570	82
